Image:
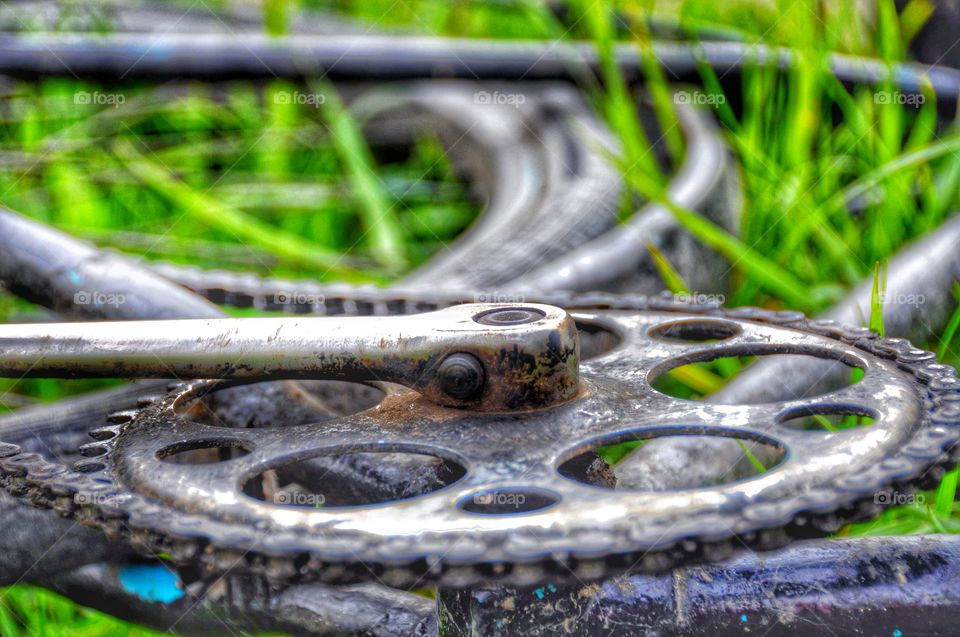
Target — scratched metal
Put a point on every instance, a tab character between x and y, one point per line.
480	356
201	512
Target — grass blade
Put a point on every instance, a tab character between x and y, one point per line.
386	234
952	325
946	494
218	215
876	298
671	278
765	272
757	465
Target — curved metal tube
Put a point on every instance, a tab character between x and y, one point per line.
490	143
548	183
71	277
546	227
220	56
239	605
699	185
878	584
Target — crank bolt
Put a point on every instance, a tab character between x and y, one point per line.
509	316
461	376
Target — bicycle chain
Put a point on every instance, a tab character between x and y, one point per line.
79	492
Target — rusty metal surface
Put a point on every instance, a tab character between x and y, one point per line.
824	479
481	356
868	586
382	302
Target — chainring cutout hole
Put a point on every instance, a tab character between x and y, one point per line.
695	331
654	453
508	501
699	380
827	418
351	479
596	340
207	451
280	403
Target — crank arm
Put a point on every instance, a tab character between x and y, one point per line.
485	357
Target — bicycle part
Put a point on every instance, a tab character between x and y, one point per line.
458	533
486	357
920	276
379	57
877	586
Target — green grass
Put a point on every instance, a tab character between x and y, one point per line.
835	179
36	612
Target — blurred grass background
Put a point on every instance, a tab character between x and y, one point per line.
240	176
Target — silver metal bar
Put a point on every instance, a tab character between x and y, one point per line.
489	357
375	56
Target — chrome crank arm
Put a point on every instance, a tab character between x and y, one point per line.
480	356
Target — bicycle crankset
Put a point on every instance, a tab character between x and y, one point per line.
491	432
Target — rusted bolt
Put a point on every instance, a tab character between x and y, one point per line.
509	316
461	376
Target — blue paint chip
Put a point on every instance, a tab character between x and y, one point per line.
897	632
151	582
538	592
552	588
743	618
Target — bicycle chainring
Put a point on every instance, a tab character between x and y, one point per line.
504	496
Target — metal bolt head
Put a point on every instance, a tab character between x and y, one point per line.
505	316
461	376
